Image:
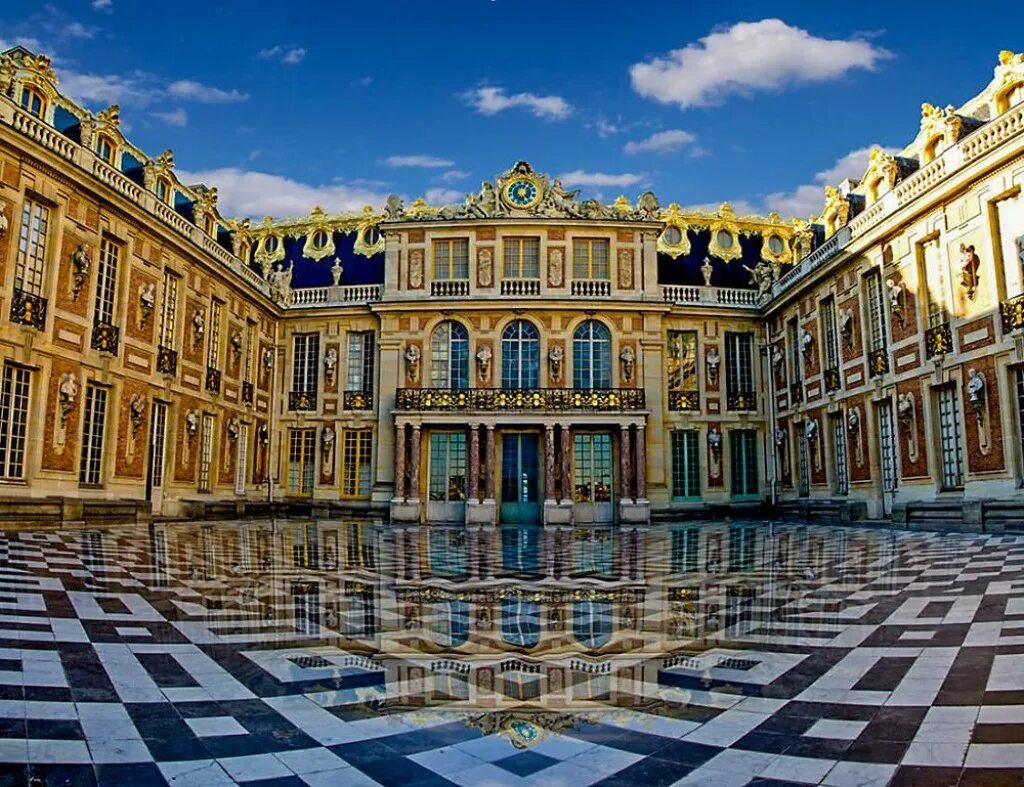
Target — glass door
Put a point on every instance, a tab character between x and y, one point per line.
592	481
157	435
520	477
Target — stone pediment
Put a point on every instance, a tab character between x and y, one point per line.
523	193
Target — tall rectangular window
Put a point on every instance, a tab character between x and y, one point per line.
877	333
685	549
451	259
796	369
30	264
936	277
213	348
841	459
743	462
93	426
521	259
950	440
829	333
360	361
13	420
205	452
682	360
887	446
305	362
447	466
156	445
301	461
241	459
169	310
739	366
1009	219
106	281
250	350
685	464
803	459
355	462
590	259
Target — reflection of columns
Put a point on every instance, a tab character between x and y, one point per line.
625	558
487	540
399	552
400	461
414	460
549	462
566	468
564	554
414	537
489	463
550	550
641	555
641	462
474	553
473	494
626	464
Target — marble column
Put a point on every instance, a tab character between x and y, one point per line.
489	463
473	493
566	465
414	461
549	462
641	462
626	463
400	461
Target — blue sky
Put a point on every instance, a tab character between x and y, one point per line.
283	105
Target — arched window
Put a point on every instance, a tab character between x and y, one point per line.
592	356
449	356
520	356
592	622
520	622
32	102
105	148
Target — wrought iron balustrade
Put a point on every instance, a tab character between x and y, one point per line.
878	362
212	379
357	400
105	337
741	400
1012	314
247	392
833	380
302	401
683	400
28	309
938	340
520	399
166	360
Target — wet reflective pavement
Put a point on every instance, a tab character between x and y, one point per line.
327	652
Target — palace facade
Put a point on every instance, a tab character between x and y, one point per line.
526	356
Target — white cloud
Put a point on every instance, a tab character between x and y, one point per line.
174	117
204	94
740	206
453	175
808	199
418	160
249	193
106	88
77	30
102	5
492	100
749	56
660	142
580	178
606	128
31	44
289	55
443	196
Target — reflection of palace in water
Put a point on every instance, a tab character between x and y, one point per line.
499	617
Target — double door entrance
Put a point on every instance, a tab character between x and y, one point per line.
520	478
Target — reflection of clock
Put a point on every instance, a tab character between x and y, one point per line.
522	193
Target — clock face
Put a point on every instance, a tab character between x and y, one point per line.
522	193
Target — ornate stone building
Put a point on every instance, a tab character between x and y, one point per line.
525	356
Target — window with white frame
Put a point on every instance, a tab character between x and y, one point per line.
877	333
13	420
205	452
936	278
360	361
950	439
305	362
521	259
449	356
1009	220
842	466
30	263
169	309
213	346
93	426
451	259
106	281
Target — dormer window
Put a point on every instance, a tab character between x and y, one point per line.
724	239
105	148
32	101
775	244
1010	98
163	190
672	236
270	244
211	226
931	150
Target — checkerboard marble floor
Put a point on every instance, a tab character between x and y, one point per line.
313	653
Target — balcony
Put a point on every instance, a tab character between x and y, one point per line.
833	380
520	399
450	288
520	287
878	362
683	400
247	392
166	360
740	401
592	288
357	400
1012	314
105	337
334	296
685	295
938	340
302	401
28	309
212	380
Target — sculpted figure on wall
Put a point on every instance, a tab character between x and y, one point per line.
906	412
628	360
330	365
712	359
147	302
81	263
67	392
412	362
483	363
485	268
970	266
556	268
555	363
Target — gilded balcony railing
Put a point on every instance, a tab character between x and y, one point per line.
105	337
247	391
683	400
357	400
212	380
28	309
1012	313
878	362
520	399
833	380
166	360
740	400
938	340
302	401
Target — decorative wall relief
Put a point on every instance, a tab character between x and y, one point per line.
236	343
897	300
977	398
853	421
147	302
627	361
412	363
715	452
191	427
198	327
68	393
906	413
330	365
483	363
136	418
416	269
555	355
485	267
712	360
268	360
811	436
970	270
846	327
4	225
778	364
556	267
625	269
81	264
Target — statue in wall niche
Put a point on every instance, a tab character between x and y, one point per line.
412	362
628	359
706	269
906	413
483	363
762	277
715	451
846	326
198	327
233	429
336	270
713	360
780	436
806	343
4	225
137	411
81	263
556	268
236	343
853	420
853	426
811	430
191	423
147	301
896	300
67	394
330	364
976	391
555	363
485	267
970	267
263	435
327	449
268	360
281	282
778	359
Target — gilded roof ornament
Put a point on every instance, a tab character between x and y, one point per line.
110	116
